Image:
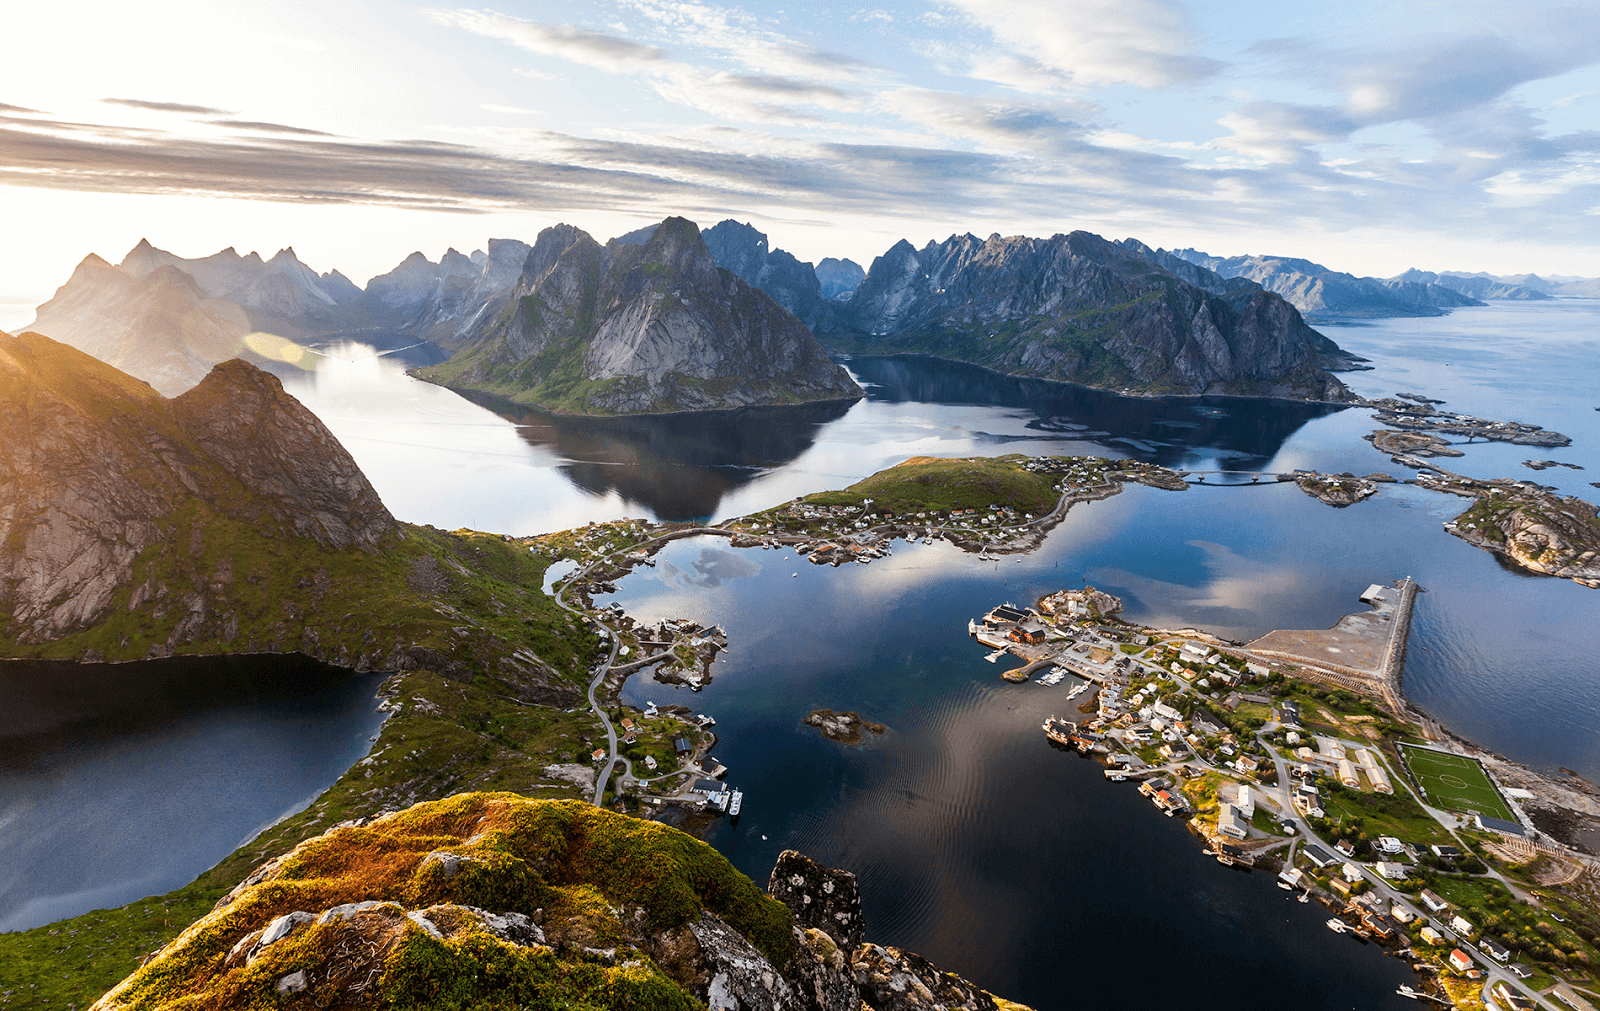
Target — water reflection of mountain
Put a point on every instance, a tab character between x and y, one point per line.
677	465
1156	429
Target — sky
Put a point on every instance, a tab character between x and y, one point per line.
1369	136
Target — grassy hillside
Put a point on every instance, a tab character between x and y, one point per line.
925	483
578	871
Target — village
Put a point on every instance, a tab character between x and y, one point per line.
1295	752
1312	774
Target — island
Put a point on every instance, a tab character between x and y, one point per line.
846	728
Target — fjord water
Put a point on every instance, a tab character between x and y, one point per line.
119	781
978	845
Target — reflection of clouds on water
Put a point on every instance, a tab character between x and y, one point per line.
712	568
1229	601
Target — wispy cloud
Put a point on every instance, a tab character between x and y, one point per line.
250	124
1044	44
193	110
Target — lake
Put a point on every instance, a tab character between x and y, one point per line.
119	781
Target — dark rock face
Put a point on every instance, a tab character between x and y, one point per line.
92	462
821	897
627	328
894	980
791	283
1078	308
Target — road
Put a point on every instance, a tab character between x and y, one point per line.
599	678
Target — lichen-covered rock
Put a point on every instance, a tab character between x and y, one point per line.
738	977
551	904
821	974
894	980
820	897
1536	529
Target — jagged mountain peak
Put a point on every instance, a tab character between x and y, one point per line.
99	464
624	328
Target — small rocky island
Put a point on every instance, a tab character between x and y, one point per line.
1339	490
846	728
1424	417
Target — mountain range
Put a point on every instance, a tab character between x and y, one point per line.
568	325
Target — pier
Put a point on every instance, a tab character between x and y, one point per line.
1364	652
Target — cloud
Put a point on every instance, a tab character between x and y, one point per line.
194	110
19	109
1145	43
249	124
511	110
583	46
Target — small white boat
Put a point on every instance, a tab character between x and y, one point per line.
735	803
1337	925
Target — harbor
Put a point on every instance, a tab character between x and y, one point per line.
1256	756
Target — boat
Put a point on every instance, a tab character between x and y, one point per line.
1337	925
1305	896
735	803
1286	886
1060	731
997	654
1076	691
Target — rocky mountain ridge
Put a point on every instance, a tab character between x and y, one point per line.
1081	309
229	520
94	464
628	328
1476	287
496	899
1322	293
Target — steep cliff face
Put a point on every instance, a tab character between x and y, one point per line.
495	900
95	465
1316	290
792	284
1078	308
627	328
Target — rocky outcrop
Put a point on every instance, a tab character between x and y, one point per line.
895	980
846	728
94	464
541	903
821	897
1535	529
1337	490
627	328
1319	292
1081	309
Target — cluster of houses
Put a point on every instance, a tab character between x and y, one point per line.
1336	758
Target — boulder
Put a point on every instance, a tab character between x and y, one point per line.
894	980
820	897
738	977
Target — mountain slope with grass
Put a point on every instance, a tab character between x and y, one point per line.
229	520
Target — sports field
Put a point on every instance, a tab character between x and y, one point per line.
1455	783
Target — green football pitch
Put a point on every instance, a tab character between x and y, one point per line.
1455	783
